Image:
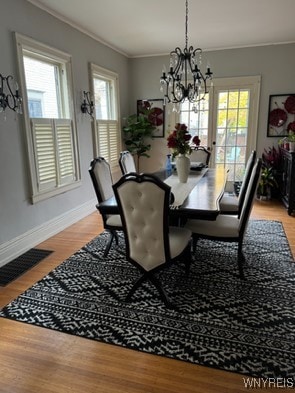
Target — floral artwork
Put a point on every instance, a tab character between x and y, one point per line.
281	116
156	114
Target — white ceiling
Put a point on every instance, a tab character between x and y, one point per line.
154	27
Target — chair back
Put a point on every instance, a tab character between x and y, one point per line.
143	202
246	179
200	154
249	197
100	173
126	162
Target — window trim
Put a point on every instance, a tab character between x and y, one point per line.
25	44
95	70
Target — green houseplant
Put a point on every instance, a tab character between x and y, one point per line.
138	131
291	140
270	174
267	183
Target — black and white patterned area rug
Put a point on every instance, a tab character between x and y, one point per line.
223	322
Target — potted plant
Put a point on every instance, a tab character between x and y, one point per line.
137	133
272	158
291	139
267	183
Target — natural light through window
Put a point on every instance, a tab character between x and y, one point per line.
232	128
45	74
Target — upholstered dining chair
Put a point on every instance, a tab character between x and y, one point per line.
151	244
126	162
232	204
200	154
101	177
229	228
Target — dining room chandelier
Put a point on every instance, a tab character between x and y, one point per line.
185	79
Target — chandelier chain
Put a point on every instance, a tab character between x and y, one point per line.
186	23
185	79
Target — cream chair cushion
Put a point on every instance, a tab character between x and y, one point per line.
199	156
178	239
224	226
127	162
142	204
229	203
114	220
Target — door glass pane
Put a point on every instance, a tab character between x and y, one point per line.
232	130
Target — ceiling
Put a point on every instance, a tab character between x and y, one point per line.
138	28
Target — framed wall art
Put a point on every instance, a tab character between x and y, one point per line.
281	114
156	115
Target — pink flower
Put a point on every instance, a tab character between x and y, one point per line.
196	140
291	126
179	139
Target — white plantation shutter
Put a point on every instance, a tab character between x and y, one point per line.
54	152
108	137
65	151
45	161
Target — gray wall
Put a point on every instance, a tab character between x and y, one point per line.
275	64
17	214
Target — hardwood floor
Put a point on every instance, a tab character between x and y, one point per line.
38	360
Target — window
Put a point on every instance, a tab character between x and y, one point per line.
196	116
45	75
107	134
225	121
35	101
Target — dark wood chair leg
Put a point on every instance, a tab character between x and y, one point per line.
157	284
195	240
141	279
162	293
241	260
109	244
188	258
116	237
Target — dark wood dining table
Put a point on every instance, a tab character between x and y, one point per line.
202	201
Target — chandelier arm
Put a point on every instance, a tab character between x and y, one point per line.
178	53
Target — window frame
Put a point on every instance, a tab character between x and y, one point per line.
24	45
107	75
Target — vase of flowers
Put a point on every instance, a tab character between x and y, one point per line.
178	142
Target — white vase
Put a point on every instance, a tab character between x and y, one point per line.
183	164
292	146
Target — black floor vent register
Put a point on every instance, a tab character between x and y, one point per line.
21	264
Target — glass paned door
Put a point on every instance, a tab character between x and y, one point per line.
231	137
226	122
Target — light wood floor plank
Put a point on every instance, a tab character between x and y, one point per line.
38	360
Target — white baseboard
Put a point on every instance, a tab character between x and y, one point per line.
17	246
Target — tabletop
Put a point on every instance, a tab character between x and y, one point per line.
201	202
